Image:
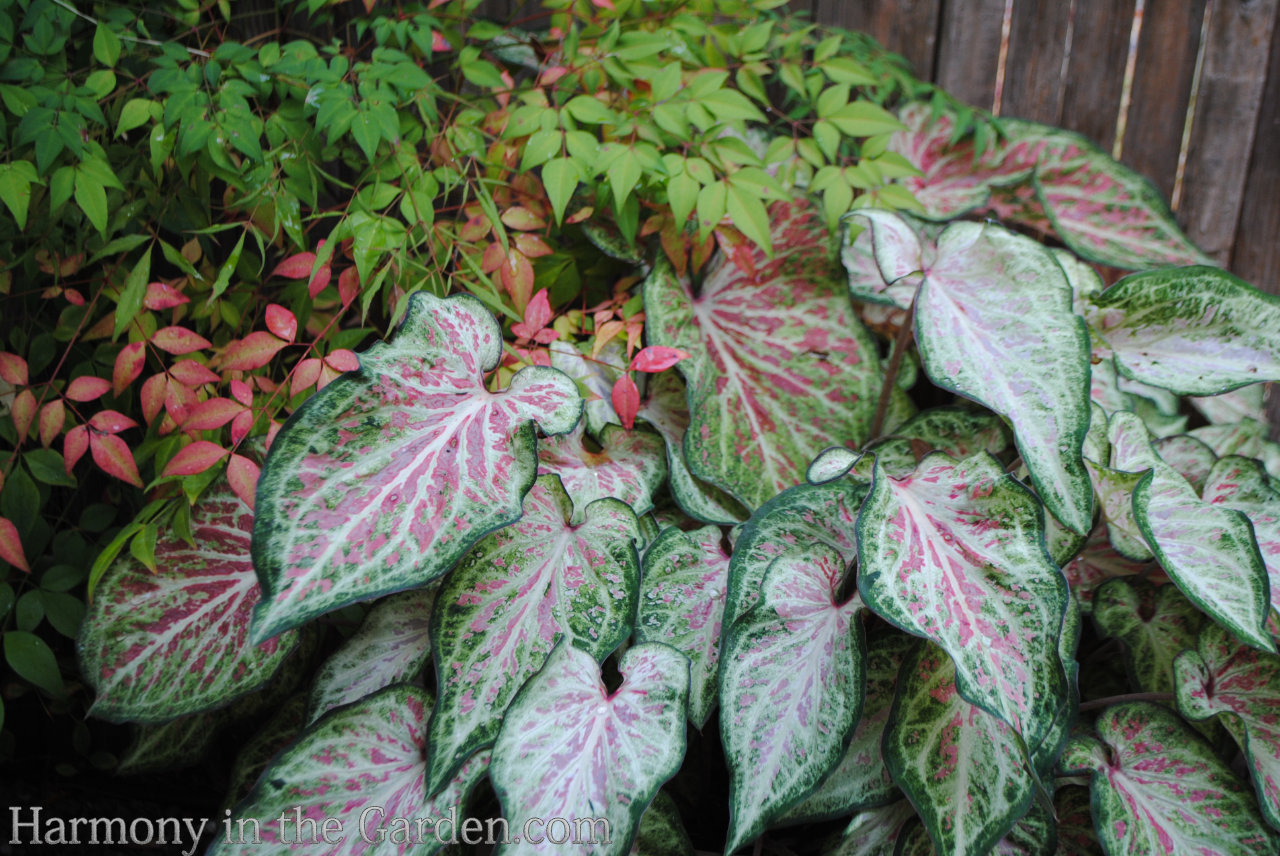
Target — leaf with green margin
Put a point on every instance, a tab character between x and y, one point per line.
1240	484
1114	489
667	409
172	745
958	431
895	287
570	748
661	832
1239	404
1192	458
597	375
1247	438
779	366
366	757
156	646
964	770
1209	551
838	462
861	780
955	553
1044	755
390	474
793	520
1097	563
391	646
1241	687
1076	835
508	602
256	753
1158	788
875	832
792	685
1155	625
994	322
682	596
1033	835
631	466
1194	331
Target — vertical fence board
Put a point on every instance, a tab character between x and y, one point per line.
1033	84
1095	73
1236	51
907	27
1257	254
969	50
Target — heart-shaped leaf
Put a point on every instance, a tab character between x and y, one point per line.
501	612
779	366
1192	458
1158	788
1155	624
1239	404
1098	562
569	748
994	322
160	645
682	598
631	466
955	553
386	477
1241	484
958	431
876	831
792	684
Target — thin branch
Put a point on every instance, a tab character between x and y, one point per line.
1097	703
135	39
900	344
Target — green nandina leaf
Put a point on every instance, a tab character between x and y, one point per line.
682	596
747	212
994	322
682	193
938	747
1195	330
1242	485
228	268
792	685
391	473
106	45
1208	550
631	466
135	291
1155	624
149	653
1158	788
560	177
1241	687
33	661
507	604
570	748
955	553
91	196
16	179
135	113
779	368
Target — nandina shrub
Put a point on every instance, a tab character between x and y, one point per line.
708	509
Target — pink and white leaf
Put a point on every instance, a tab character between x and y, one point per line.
1243	403
1098	562
571	749
1191	457
156	646
631	466
384	479
1114	490
1241	484
791	688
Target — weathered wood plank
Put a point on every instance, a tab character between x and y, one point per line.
907	27
969	50
1257	250
1231	84
1161	88
1033	82
1095	71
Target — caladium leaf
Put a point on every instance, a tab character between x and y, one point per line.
391	647
1194	331
361	769
661	832
779	367
1207	549
892	287
994	322
1247	438
1190	457
1034	835
1240	484
1044	755
568	746
172	745
1158	788
1076	835
964	769
955	553
958	431
256	753
596	375
876	831
387	476
630	466
1097	563
682	598
156	646
1114	489
1155	624
502	610
861	779
792	684
1235	406
1240	686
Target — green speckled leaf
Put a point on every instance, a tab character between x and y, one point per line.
172	745
1155	624
1239	404
876	831
1248	438
256	753
1098	562
1076	835
661	831
958	431
1241	485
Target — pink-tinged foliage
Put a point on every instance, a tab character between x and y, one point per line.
391	646
876	831
779	366
1192	458
955	553
1242	485
656	358
1240	686
625	398
571	749
507	604
1097	563
994	322
682	597
938	747
1247	402
960	432
1157	788
156	646
361	769
1114	490
11	546
792	684
388	476
630	466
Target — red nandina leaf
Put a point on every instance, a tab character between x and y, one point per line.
153	393
349	286
626	400
439	43
128	368
241	425
517	277
522	219
252	352
272	430
195	458
111	422
13	369
243	474
282	322
179	400
343	360
296	267
24	412
305	375
211	414
52	417
161	296
242	392
87	388
492	257
191	373
11	546
179	340
532	246
113	457
73	297
536	315
656	358
74	446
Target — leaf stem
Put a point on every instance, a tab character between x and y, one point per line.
900	344
122	37
1117	699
